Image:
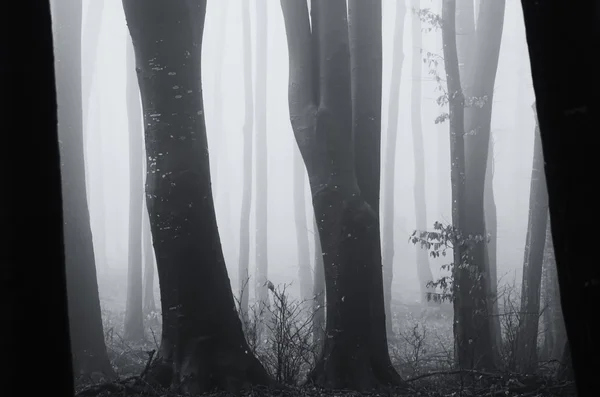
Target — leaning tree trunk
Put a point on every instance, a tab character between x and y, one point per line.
203	345
260	120
423	268
320	100
390	166
304	272
134	317
149	302
87	337
34	290
527	334
244	254
479	89
319	307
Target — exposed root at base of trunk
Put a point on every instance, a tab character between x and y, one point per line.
362	372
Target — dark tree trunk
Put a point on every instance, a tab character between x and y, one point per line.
478	89
304	272
389	184
423	269
527	335
34	291
320	97
203	345
244	254
567	108
134	317
149	302
319	307
260	120
87	337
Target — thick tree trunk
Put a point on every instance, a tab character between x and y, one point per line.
567	107
87	337
203	345
355	351
480	75
423	268
319	307
33	295
149	302
134	317
389	174
244	253
304	271
527	335
260	122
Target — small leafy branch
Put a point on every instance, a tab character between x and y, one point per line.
430	18
446	237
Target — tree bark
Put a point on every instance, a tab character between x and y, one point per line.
320	100
203	345
527	335
87	336
390	165
304	271
134	317
423	268
567	107
244	255
260	120
34	292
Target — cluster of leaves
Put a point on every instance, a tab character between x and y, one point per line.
438	242
432	20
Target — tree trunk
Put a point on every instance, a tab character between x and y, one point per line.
244	254
567	107
480	75
319	307
134	318
532	266
34	290
87	337
304	271
423	268
260	120
203	345
149	302
491	227
390	165
320	98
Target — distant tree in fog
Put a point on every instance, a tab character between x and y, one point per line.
201	331
247	131
134	318
149	302
319	304
261	184
332	110
423	269
87	336
527	336
389	174
300	220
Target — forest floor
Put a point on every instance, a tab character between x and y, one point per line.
421	351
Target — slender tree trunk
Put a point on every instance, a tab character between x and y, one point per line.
202	344
532	266
320	99
244	255
33	295
260	120
87	337
134	318
480	75
423	268
304	272
389	174
319	308
149	302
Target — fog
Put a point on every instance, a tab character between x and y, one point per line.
107	151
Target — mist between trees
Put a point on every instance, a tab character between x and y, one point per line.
344	194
